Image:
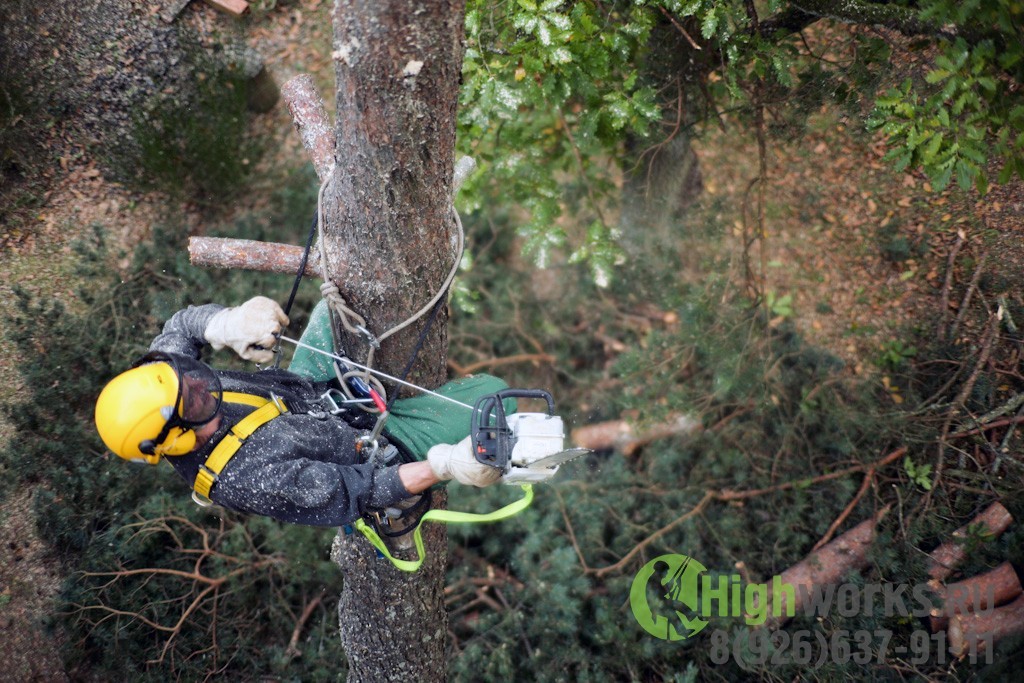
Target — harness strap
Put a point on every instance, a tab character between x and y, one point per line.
445	517
266	410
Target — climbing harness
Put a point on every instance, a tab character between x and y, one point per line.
266	409
527	447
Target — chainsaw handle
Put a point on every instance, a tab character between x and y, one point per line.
527	393
491	436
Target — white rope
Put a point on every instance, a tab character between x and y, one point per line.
375	372
334	297
355	323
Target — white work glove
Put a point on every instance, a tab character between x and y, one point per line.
249	329
456	461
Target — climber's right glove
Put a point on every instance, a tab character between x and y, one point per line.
456	461
249	329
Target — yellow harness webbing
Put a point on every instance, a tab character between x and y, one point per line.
266	410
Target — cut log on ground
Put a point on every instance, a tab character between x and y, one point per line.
237	254
973	633
847	553
996	587
948	556
623	436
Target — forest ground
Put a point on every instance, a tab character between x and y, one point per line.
861	251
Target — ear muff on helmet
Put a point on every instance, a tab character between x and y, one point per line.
153	409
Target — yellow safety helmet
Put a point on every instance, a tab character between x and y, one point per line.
153	409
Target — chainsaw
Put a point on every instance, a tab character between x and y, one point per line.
526	447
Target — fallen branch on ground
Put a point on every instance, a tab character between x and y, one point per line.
973	633
823	567
621	435
992	588
948	556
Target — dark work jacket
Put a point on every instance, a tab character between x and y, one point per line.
296	468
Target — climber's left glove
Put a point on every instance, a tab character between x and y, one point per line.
249	329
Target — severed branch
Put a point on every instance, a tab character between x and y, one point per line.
948	556
974	632
822	567
316	131
732	496
292	650
947	285
199	589
267	257
978	593
869	477
623	436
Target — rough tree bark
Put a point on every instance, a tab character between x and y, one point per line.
388	219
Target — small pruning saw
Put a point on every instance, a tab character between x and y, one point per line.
527	447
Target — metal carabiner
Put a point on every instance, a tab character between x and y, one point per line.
201	500
371	339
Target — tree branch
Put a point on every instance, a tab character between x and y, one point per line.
948	556
311	121
238	254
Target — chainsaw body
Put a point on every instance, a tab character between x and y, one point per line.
527	447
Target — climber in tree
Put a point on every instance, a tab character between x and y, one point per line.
271	442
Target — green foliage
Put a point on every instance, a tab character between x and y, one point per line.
969	116
254	579
968	111
560	99
919	474
548	91
895	354
781	306
773	410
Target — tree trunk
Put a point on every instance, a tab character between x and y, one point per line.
388	219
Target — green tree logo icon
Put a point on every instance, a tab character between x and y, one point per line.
665	597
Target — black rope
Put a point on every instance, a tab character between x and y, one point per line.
298	280
302	265
416	350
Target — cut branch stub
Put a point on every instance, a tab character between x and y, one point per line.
236	254
948	556
311	121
